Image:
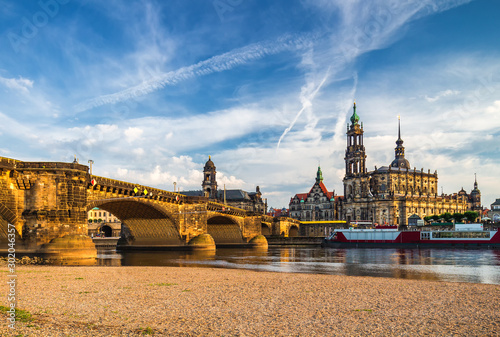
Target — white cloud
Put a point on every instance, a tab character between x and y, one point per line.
139	151
133	134
20	84
441	94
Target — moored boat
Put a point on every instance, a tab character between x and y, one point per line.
462	236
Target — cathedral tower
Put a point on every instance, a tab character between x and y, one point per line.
355	153
356	179
209	184
475	198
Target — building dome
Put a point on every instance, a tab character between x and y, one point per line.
401	162
209	165
354	117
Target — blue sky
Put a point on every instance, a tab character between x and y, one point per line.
150	89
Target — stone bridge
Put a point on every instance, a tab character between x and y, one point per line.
50	200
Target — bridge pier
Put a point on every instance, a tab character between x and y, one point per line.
45	201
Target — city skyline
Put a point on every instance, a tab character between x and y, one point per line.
149	90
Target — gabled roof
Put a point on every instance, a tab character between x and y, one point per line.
323	189
302	195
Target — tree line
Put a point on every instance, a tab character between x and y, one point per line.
469	216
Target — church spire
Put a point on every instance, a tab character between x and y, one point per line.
319	175
399	127
399	142
399	160
354	117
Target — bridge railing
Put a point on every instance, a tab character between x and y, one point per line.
218	207
128	188
18	164
8	162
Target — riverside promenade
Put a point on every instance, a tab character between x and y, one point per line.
173	301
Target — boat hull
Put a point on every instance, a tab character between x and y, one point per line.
412	239
402	245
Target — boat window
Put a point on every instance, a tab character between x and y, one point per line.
461	235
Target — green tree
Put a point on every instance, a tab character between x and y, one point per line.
457	217
435	217
446	216
471	215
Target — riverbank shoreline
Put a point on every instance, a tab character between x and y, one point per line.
173	301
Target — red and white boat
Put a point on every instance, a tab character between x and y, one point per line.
463	236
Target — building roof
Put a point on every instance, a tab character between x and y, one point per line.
209	165
234	195
191	193
384	169
304	196
497	202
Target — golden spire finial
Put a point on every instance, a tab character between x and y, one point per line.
209	157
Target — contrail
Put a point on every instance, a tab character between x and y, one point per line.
214	64
307	103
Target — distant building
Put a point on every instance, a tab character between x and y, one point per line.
276	212
473	199
318	204
99	215
494	213
101	222
391	194
250	201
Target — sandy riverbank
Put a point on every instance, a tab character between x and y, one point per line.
169	301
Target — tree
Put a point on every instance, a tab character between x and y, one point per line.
457	217
435	217
446	216
471	216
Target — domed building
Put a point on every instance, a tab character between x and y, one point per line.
391	194
249	201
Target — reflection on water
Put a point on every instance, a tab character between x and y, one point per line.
456	265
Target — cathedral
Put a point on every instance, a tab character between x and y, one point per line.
391	194
249	201
388	195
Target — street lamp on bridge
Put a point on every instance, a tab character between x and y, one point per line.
91	162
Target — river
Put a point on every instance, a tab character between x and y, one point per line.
451	265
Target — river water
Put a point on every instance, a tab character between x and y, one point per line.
452	265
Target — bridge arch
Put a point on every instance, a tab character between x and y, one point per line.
293	231
265	229
145	223
224	230
106	230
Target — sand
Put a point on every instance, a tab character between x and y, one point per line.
172	301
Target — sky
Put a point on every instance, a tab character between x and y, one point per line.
149	89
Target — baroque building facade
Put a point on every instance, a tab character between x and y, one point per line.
318	204
391	194
249	201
